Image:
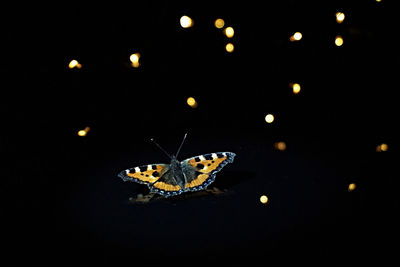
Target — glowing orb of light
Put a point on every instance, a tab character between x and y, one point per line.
269	118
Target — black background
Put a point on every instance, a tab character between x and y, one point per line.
63	202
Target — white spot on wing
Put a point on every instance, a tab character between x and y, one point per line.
202	158
149	168
214	156
127	171
137	169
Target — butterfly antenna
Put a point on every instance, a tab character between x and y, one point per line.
162	149
179	149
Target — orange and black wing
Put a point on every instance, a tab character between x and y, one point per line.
156	176
200	171
146	174
166	186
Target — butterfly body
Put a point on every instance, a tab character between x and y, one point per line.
192	174
176	172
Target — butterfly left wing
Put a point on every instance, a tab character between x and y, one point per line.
157	177
200	171
146	174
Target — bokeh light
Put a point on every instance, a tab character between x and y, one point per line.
382	147
186	22
229	32
338	40
269	118
191	102
219	23
229	47
296	37
74	64
264	199
352	187
339	17
84	131
295	87
134	58
281	146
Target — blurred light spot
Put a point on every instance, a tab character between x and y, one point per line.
382	148
84	131
280	146
134	58
378	1
186	22
191	102
74	64
269	118
338	40
295	87
219	23
264	199
229	47
229	32
339	17
296	37
352	186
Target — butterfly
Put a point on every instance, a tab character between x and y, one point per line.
192	174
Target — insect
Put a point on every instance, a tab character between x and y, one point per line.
192	174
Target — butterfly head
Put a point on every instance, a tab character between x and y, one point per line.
174	159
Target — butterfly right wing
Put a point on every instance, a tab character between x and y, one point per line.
146	174
200	171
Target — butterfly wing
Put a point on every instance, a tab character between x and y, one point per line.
157	177
200	171
146	174
166	186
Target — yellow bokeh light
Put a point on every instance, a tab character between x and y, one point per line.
186	22
382	148
264	199
191	102
269	118
351	187
229	32
134	58
280	146
74	63
229	47
84	131
296	37
219	23
296	88
338	40
339	17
